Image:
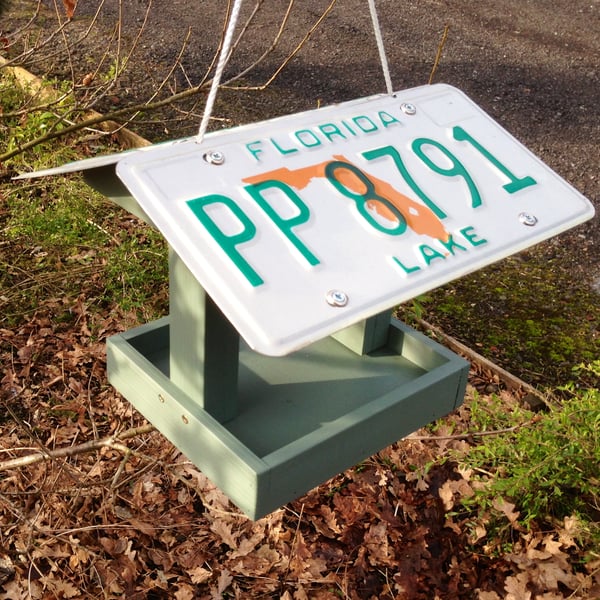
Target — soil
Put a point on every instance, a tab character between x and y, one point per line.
531	64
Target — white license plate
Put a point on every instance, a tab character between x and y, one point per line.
300	226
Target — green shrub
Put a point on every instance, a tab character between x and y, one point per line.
550	467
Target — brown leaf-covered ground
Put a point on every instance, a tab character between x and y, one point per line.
133	518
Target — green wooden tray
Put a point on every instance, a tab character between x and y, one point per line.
300	419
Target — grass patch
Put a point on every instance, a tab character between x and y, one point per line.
63	240
547	466
529	313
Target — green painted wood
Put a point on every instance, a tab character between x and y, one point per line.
104	180
222	458
366	336
297	468
204	346
418	348
302	418
303	392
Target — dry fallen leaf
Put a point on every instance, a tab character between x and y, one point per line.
507	508
184	592
487	595
200	575
224	531
225	580
516	587
70	7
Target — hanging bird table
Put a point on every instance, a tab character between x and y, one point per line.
291	240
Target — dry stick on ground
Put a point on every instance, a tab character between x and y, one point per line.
98	119
293	549
468	435
112	441
511	381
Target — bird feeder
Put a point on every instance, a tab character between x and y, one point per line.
291	240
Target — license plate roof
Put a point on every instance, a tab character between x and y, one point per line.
302	225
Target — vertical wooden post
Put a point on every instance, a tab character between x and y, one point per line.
366	336
204	346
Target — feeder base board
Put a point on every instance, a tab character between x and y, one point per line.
301	418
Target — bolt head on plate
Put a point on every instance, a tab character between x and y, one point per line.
336	298
408	109
214	157
528	219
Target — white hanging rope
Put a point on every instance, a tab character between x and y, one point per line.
381	48
223	58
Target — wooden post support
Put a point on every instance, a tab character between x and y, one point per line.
366	336
204	346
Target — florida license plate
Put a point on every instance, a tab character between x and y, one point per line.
302	225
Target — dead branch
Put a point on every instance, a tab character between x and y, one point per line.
98	119
511	381
121	63
469	435
438	55
271	48
169	74
247	24
43	455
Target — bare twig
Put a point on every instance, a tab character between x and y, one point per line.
288	58
176	64
90	446
468	435
31	107
121	64
438	55
67	49
248	22
293	547
270	49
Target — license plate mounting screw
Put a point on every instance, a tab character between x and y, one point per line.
214	157
528	219
336	298
408	109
